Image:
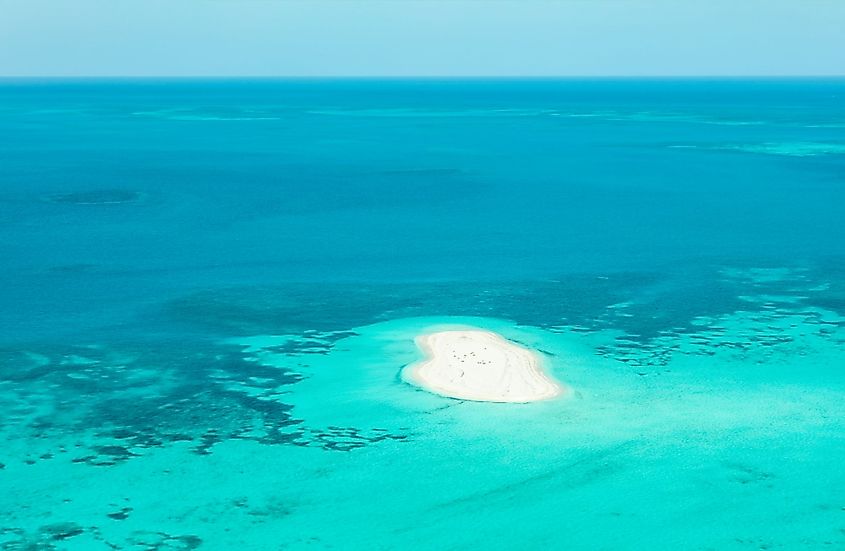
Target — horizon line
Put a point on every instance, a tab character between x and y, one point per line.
423	77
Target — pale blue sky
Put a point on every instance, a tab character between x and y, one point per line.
422	37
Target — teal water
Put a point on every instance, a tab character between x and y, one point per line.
209	289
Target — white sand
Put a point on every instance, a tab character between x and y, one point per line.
482	366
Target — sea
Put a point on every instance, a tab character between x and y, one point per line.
209	289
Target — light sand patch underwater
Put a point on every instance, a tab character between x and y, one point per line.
786	149
645	459
642	457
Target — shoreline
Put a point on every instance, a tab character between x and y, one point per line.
482	366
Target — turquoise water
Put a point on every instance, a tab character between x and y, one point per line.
209	289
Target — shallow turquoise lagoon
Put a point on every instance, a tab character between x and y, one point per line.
210	288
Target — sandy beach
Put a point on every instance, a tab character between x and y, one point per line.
480	365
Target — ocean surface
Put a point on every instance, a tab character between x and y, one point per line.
209	289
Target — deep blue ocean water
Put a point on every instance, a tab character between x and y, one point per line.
689	235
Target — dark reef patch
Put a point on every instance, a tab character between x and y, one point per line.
122	514
107	404
47	538
643	306
61	530
96	197
51	537
583	300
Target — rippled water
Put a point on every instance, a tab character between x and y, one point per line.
209	289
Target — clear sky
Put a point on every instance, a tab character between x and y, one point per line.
421	37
